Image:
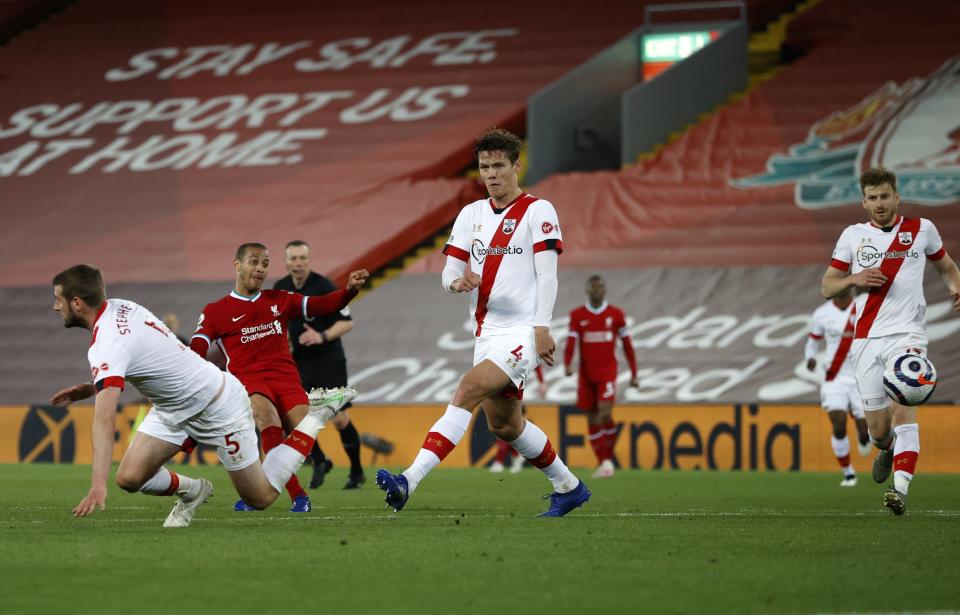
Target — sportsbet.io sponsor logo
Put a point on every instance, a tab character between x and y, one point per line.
868	256
480	252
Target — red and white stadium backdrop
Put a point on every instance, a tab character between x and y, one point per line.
676	437
153	138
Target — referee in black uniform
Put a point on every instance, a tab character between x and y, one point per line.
319	356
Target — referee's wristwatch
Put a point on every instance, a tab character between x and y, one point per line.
323	337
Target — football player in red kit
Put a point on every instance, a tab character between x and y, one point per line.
248	327
596	326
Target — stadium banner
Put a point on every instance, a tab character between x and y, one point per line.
191	128
651	437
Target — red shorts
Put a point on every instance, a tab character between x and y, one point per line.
283	392
590	392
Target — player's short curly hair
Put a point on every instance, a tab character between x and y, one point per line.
499	140
877	176
83	281
242	250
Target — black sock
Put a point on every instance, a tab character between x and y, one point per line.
317	454
351	446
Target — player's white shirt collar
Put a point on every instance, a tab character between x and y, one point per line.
594	310
237	295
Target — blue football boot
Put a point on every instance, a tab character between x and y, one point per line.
562	503
301	504
242	506
398	491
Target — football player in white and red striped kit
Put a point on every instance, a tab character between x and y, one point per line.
884	259
193	401
503	251
595	327
832	325
248	327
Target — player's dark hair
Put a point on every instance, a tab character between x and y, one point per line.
83	281
296	243
595	278
242	250
877	176
499	140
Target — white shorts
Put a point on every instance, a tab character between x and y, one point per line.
841	394
512	350
871	357
227	424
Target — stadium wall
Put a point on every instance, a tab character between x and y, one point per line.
669	437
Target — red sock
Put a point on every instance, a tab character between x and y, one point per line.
610	435
271	437
598	441
503	450
844	461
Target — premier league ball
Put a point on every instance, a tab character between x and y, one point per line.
910	379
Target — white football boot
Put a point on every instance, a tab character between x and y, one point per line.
327	403
849	481
182	513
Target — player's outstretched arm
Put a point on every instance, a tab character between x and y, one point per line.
104	426
334	301
948	270
77	392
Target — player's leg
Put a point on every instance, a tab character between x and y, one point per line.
876	405
260	484
321	463
507	423
906	448
840	443
856	411
834	401
607	428
587	401
269	422
500	459
350	440
335	375
482	381
141	468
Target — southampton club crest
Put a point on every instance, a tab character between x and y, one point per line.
912	129
508	225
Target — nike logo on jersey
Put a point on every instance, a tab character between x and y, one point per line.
238	317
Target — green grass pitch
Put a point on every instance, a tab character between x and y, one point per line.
469	542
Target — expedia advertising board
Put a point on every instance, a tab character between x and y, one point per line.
717	437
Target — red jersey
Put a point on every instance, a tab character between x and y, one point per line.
597	330
250	330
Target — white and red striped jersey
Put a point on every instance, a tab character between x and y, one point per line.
498	245
130	344
834	328
901	253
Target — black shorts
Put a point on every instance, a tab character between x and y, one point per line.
324	375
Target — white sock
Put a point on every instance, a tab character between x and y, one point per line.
161	483
443	436
285	459
841	449
906	449
534	446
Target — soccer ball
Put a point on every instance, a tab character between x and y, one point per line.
910	379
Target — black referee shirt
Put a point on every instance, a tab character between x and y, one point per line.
321	354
